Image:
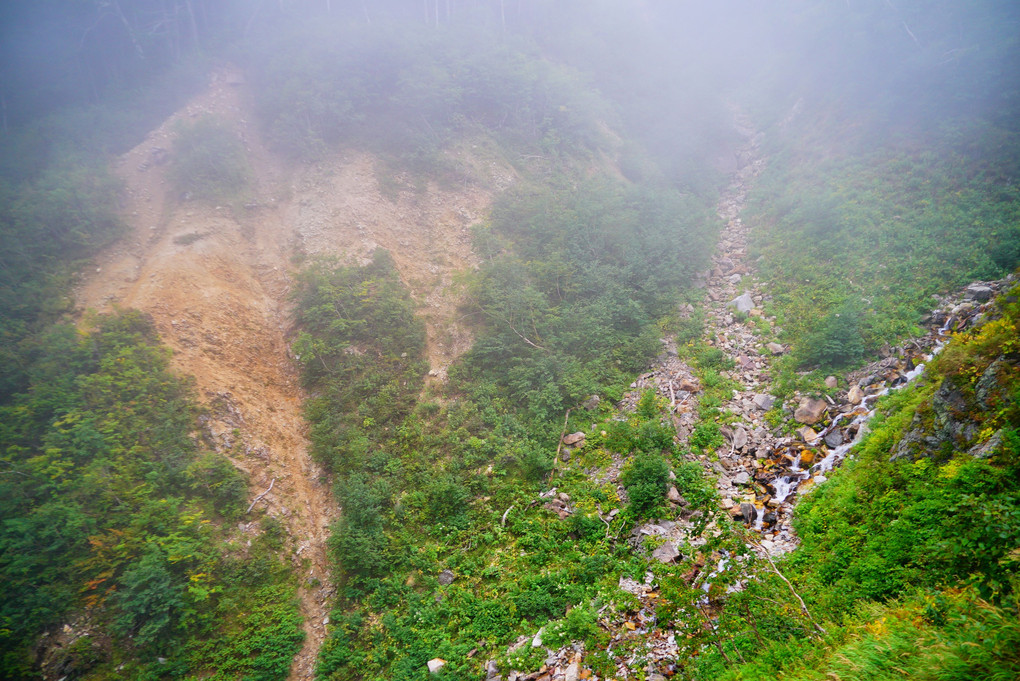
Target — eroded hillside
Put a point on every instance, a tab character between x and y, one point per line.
216	279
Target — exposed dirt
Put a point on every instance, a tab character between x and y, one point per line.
216	281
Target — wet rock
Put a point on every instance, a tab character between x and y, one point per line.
834	439
446	577
748	511
807	457
573	438
809	411
855	395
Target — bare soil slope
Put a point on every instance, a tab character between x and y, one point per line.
216	281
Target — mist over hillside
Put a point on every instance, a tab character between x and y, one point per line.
523	340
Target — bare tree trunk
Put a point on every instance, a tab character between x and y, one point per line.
192	24
130	30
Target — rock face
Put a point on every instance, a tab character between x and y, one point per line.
810	411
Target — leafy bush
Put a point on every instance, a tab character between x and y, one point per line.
646	479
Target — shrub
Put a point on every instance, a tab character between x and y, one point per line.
646	480
208	161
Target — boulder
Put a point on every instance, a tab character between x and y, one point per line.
742	478
689	385
979	293
807	457
763	402
807	433
854	395
831	382
491	671
435	664
748	511
743	303
592	402
674	495
572	439
739	438
446	577
834	439
809	411
666	553
776	348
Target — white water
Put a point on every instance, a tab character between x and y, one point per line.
786	486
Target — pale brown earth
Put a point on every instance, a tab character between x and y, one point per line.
219	298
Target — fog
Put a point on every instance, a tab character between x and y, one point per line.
905	60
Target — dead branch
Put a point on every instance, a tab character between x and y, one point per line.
259	497
803	607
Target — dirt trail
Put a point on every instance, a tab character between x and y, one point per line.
216	280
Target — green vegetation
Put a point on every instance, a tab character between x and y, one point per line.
434	478
916	553
208	161
939	218
110	505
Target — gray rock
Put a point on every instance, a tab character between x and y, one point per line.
748	511
435	664
446	577
666	553
979	293
987	449
763	402
674	495
491	671
776	348
741	478
834	439
592	402
743	303
739	438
